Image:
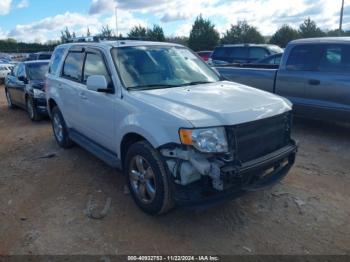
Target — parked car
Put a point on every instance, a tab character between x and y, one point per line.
205	55
314	74
271	60
5	69
39	56
157	111
24	88
243	53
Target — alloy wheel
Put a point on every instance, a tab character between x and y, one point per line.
142	179
58	127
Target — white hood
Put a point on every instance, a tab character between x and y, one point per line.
216	104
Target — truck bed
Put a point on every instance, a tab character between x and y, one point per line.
261	78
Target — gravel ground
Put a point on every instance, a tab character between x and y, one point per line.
44	191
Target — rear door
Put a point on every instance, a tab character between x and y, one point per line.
69	87
327	89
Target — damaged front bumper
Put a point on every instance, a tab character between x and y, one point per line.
204	180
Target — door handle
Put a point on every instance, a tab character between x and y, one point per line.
83	96
60	86
314	82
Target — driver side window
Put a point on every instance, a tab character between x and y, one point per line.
95	65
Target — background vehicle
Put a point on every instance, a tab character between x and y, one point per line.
243	53
271	60
205	55
24	88
5	69
39	56
160	113
314	74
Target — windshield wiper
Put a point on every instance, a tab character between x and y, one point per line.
161	86
196	83
155	86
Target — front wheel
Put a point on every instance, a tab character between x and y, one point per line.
148	179
9	99
31	110
60	129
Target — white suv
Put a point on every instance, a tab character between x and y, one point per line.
157	111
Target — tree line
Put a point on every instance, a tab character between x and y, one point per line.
203	36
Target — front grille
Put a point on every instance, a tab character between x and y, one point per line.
259	138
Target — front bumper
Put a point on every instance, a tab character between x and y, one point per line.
239	179
41	106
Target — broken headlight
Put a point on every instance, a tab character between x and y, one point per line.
206	140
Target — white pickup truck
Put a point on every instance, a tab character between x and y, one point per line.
156	111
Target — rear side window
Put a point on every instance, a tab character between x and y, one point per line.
230	52
303	58
335	58
73	65
257	53
44	57
239	52
95	65
55	61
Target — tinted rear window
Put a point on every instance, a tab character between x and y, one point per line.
258	53
73	66
232	53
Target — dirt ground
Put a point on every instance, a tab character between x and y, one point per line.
44	191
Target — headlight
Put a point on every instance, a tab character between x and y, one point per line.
38	93
206	140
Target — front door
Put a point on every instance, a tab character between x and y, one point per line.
327	88
97	109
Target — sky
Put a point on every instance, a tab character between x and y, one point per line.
42	20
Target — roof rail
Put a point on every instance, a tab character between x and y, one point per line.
102	39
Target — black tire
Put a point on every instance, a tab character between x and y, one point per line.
60	132
31	110
9	99
162	199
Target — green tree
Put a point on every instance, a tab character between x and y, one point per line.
66	36
106	32
242	33
284	35
203	35
182	40
155	34
309	29
138	32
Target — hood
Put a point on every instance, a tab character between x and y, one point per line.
216	104
37	84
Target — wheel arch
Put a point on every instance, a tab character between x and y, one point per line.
50	105
128	140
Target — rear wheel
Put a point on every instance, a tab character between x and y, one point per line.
60	129
148	179
31	110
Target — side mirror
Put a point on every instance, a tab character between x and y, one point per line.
23	79
98	83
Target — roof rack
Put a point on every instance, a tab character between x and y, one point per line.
102	39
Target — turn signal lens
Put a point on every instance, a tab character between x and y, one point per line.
186	136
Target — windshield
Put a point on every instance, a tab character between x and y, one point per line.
149	67
37	71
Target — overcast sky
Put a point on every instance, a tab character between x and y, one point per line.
42	20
